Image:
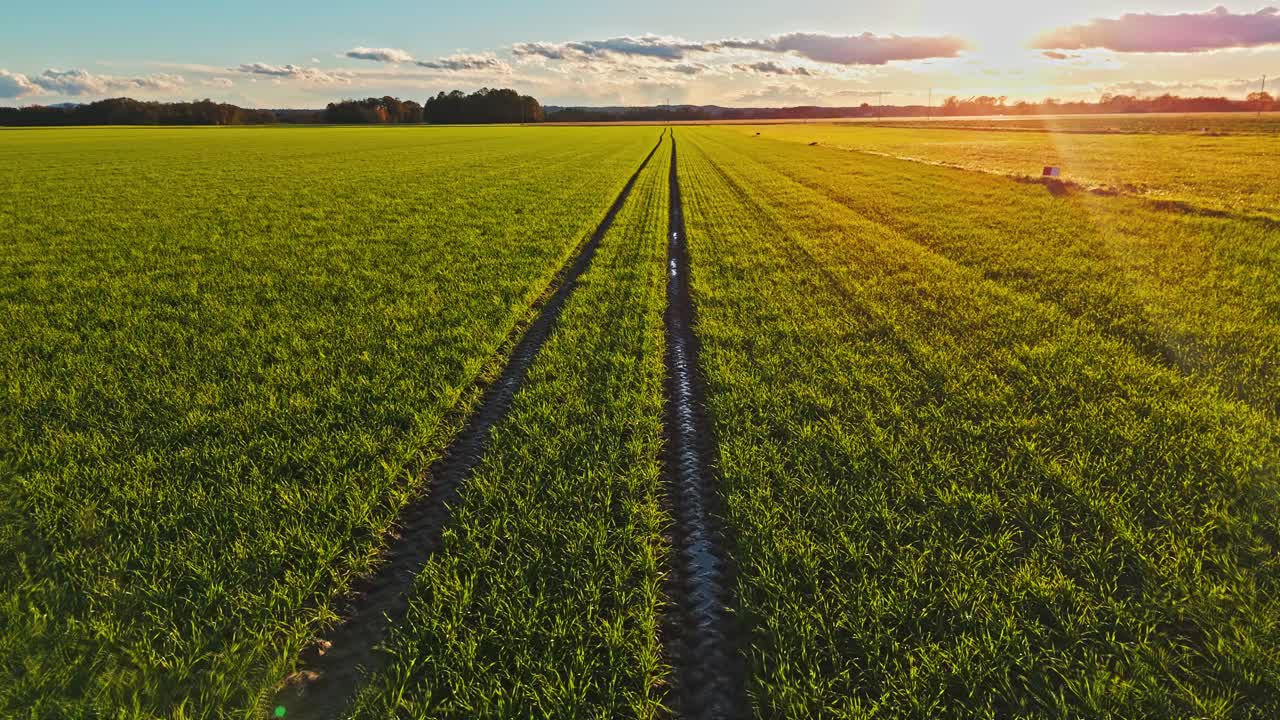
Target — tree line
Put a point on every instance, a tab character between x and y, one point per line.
1108	103
508	106
639	114
952	106
126	111
482	106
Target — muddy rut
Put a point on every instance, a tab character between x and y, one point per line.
699	642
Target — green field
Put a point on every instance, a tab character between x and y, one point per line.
228	356
957	489
547	600
1232	173
983	447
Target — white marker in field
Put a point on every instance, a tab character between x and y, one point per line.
1051	171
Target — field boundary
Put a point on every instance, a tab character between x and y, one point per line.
330	671
707	682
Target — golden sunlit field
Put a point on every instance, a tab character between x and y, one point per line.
1230	169
777	420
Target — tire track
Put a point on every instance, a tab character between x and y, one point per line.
332	670
707	678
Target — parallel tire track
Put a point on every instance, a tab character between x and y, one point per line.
707	676
331	671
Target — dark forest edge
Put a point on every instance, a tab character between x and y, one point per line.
508	106
482	106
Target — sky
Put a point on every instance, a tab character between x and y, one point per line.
745	53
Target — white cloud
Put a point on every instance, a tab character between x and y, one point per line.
220	82
16	85
386	55
462	62
158	82
78	82
465	62
294	72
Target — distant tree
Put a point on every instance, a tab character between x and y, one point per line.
483	106
126	111
381	110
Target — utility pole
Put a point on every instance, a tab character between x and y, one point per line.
1261	100
880	105
930	112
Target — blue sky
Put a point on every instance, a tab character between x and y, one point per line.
273	54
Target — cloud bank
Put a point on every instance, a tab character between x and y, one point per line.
650	46
1181	33
78	83
864	49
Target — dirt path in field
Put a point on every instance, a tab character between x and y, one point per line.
332	670
699	639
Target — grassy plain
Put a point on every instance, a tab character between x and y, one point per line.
544	598
985	450
227	354
1233	173
950	495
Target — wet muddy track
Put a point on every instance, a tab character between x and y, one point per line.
699	635
331	671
